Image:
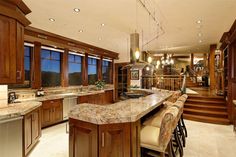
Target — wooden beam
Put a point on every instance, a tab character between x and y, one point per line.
191	60
36	66
212	66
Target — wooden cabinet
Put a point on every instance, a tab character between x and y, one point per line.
99	99
12	24
32	130
91	140
108	97
83	139
52	112
114	140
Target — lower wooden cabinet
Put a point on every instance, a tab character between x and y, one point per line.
91	140
32	130
99	99
52	112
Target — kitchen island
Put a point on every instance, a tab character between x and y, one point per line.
112	130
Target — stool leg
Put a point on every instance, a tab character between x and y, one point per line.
181	133
179	145
183	124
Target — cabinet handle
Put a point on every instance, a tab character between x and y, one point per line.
103	139
18	74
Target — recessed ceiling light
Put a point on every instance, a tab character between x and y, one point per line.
200	41
103	24
52	20
76	10
199	34
100	38
199	21
81	31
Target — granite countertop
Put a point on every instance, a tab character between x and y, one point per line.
18	109
64	95
129	110
234	102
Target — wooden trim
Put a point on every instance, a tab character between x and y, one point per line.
12	10
85	70
36	66
64	69
21	5
99	68
34	34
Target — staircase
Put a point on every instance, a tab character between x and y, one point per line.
209	109
190	83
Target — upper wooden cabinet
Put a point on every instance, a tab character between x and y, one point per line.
12	23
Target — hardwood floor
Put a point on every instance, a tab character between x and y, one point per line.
206	106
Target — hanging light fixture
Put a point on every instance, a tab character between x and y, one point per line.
172	61
137	54
158	62
149	59
147	68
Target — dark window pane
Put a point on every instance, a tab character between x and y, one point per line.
106	68
27	51
45	54
71	58
75	70
51	68
78	59
92	70
56	55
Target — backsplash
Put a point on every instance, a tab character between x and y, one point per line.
3	95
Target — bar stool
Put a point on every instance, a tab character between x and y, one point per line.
158	138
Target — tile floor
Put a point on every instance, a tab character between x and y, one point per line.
204	140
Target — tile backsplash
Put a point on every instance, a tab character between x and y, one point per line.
3	95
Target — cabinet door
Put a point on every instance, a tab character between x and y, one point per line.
57	111
108	99
114	140
92	99
20	72
27	132
83	139
7	50
36	125
82	99
47	113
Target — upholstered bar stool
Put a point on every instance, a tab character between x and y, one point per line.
158	139
156	122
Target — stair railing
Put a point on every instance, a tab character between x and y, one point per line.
168	82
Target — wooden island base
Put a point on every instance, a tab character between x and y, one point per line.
106	140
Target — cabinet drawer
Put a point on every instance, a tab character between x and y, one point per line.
52	103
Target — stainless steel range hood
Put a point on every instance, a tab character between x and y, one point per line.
134	46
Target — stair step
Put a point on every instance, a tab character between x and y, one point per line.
206	119
206	107
206	113
192	96
205	101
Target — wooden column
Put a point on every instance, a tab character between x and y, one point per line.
85	70
212	66
36	66
64	67
191	61
205	60
99	68
112	72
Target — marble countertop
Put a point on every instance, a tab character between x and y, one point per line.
129	110
18	109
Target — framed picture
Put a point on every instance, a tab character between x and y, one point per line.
134	74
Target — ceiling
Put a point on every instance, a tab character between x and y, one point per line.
178	19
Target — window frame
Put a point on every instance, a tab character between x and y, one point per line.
109	70
97	70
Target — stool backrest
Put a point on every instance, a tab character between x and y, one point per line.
166	130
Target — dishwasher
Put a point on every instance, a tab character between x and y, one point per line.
68	103
11	137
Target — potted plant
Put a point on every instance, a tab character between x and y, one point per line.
100	84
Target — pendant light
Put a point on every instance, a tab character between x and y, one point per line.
149	60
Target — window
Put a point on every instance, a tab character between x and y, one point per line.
92	70
106	71
75	69
50	68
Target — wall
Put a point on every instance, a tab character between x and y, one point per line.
181	63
